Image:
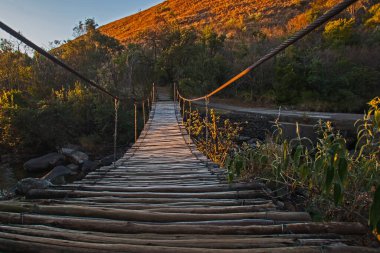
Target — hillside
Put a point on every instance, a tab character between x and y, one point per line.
269	17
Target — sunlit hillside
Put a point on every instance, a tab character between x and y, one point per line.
269	18
223	15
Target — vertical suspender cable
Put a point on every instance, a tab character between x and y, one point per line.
117	103
290	41
206	119
54	59
154	95
183	110
174	95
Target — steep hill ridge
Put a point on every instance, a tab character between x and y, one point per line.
268	17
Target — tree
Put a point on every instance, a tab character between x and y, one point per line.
339	32
15	67
88	26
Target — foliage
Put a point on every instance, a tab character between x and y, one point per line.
213	138
339	32
374	16
200	50
338	182
42	106
67	116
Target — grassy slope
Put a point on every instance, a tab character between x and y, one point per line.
268	16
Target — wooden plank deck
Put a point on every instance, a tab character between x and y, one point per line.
164	196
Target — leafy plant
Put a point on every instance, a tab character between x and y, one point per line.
339	32
331	161
212	137
341	184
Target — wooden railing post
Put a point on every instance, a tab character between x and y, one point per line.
154	94
174	92
206	119
135	122
143	107
183	111
115	131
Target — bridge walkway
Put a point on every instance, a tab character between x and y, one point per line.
165	196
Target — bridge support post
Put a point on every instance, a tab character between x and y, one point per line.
135	122
143	107
174	92
154	93
206	119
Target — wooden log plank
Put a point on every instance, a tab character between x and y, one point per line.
224	243
178	189
344	228
52	193
191	236
173	202
149	216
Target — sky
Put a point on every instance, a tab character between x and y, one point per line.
43	21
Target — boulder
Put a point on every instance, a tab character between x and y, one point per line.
44	162
89	166
108	160
75	156
73	167
27	184
243	138
73	146
57	172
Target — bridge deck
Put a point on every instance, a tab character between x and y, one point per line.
164	196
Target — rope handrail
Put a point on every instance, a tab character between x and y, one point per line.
54	59
290	41
150	98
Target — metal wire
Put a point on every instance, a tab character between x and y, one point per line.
54	59
117	103
293	39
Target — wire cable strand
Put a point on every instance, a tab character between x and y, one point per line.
290	41
54	59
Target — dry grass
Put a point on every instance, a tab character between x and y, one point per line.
225	16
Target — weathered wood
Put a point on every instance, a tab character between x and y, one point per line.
221	243
184	189
112	226
118	214
164	196
176	201
187	236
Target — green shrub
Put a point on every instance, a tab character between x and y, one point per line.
339	32
340	185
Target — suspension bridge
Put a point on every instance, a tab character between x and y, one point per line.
165	196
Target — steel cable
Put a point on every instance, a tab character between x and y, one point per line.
290	41
54	59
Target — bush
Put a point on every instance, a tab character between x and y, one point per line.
68	116
340	185
339	32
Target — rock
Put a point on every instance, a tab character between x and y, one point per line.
289	206
280	204
27	184
73	147
75	156
89	166
108	160
44	162
5	158
57	172
73	167
253	141
243	138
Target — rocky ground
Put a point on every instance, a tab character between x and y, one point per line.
65	165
